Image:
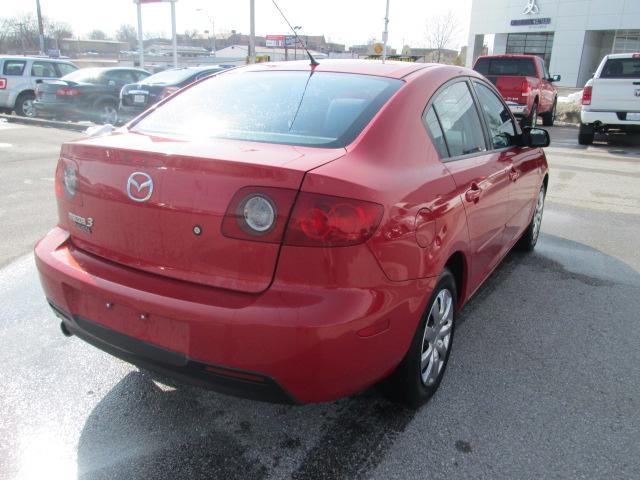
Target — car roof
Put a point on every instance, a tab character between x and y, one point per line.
26	57
390	69
508	55
624	55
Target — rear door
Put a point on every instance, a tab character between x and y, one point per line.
616	87
479	173
520	164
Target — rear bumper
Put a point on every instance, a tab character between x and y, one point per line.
607	118
518	109
292	343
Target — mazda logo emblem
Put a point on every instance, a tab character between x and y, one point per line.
139	187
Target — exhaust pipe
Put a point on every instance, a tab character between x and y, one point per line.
65	330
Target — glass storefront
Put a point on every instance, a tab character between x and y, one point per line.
539	44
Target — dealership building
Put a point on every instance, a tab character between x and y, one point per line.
571	36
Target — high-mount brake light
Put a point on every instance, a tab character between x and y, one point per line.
327	221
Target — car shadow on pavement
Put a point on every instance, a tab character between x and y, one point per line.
144	429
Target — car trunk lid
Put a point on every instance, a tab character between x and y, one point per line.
193	184
512	87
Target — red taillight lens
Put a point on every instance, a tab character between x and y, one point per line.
166	91
525	88
68	92
327	221
3	83
258	213
586	95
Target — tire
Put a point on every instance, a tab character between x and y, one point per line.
585	134
24	105
532	119
549	118
414	382
530	236
106	112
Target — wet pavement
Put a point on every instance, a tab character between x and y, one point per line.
543	380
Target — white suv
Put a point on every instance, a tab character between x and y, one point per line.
18	78
611	99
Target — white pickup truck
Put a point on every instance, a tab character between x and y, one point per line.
611	99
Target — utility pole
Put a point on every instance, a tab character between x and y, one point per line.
385	34
40	27
173	33
252	32
140	37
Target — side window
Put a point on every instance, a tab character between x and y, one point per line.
119	77
545	72
14	67
65	69
43	69
139	76
499	122
459	119
433	125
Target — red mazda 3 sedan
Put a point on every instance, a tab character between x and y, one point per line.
294	233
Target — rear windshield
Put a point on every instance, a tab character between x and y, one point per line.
173	76
84	75
518	67
295	108
621	68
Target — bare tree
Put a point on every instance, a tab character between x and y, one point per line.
97	35
57	31
127	33
440	32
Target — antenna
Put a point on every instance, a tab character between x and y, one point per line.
314	62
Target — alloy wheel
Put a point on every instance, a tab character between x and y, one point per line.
537	216
28	108
108	114
436	340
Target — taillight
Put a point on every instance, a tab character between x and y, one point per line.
635	55
66	178
328	221
3	83
68	92
586	95
525	89
258	213
166	91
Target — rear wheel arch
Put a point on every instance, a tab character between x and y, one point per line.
457	265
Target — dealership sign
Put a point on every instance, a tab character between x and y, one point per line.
280	41
530	22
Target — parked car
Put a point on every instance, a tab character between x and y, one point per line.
294	233
86	94
525	83
611	99
136	98
18	77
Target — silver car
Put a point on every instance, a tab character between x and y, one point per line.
18	78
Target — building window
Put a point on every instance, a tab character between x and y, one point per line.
539	44
626	41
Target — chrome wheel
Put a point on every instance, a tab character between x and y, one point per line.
28	108
436	340
537	215
108	114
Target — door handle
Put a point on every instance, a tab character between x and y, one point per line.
473	194
513	174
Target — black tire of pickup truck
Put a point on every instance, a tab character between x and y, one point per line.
585	134
550	117
532	119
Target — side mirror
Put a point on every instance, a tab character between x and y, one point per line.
556	78
535	137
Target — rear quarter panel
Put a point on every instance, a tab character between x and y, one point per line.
394	163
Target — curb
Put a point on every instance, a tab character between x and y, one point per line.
40	122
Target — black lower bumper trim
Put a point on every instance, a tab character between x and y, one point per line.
175	365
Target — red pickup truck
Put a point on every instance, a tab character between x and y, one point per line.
525	84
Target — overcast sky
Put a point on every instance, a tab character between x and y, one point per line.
343	21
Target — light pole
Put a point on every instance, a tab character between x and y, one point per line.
40	27
295	47
213	30
385	34
252	32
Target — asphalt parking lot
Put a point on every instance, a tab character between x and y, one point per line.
543	380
